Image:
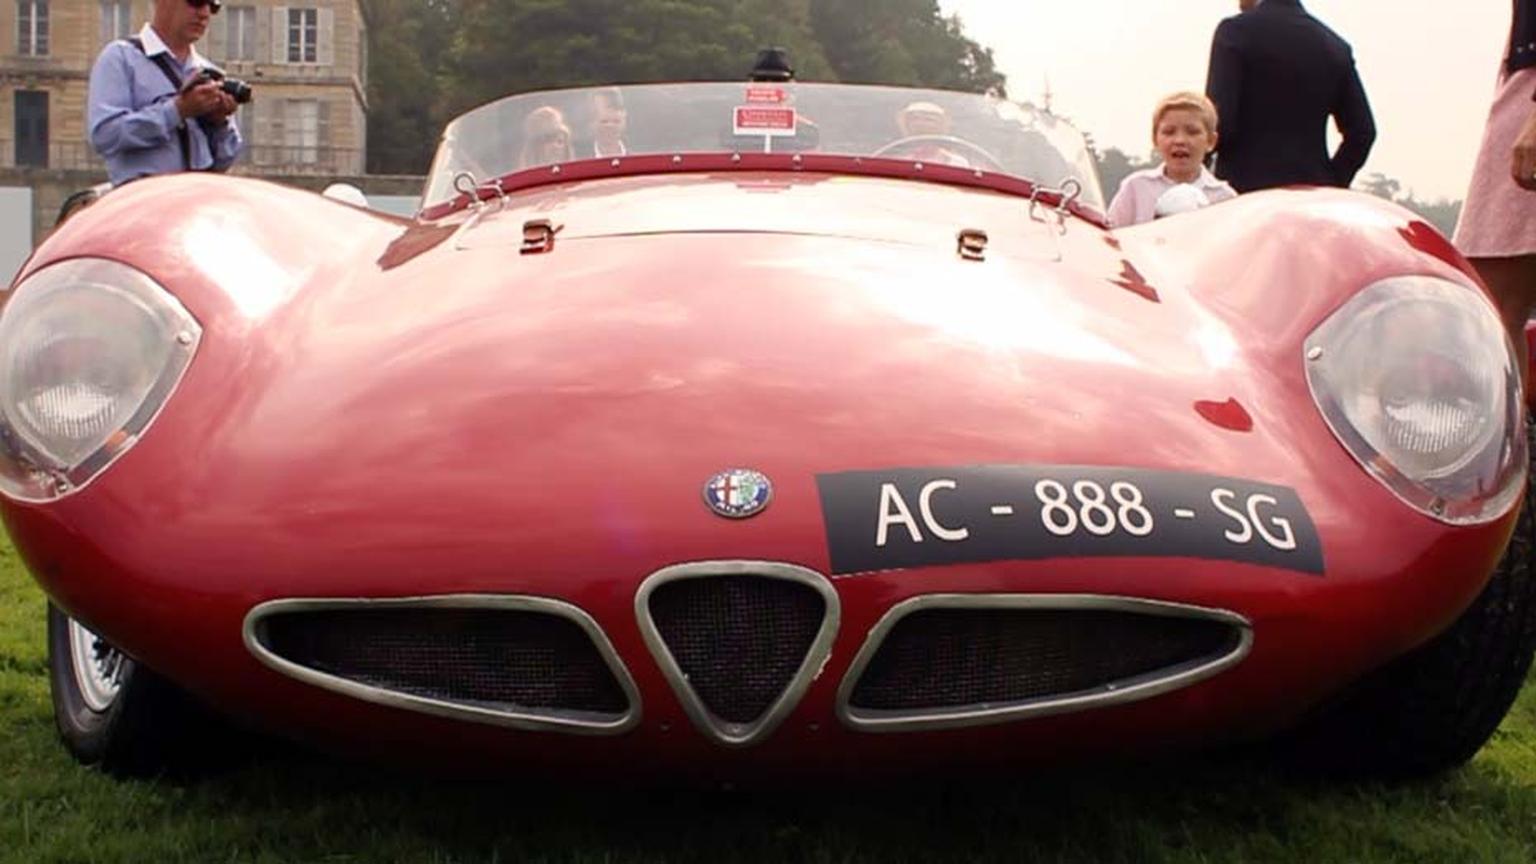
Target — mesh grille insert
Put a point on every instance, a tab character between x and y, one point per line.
491	658
951	658
739	639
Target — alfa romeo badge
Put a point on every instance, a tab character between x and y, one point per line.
738	493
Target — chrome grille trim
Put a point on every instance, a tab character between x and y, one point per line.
721	731
1142	687
533	720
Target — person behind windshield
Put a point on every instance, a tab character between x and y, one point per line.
926	120
607	123
807	135
546	138
1184	131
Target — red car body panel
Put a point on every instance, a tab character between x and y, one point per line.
382	408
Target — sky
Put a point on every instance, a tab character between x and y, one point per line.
1429	68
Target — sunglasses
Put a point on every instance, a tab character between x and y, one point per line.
213	5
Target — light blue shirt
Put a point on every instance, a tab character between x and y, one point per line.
131	112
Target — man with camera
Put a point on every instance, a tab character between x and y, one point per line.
156	106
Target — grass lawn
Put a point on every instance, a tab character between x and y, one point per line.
288	807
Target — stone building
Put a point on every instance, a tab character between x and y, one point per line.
307	65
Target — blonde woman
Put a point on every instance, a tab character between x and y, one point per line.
546	138
1497	230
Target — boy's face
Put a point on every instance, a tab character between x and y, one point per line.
608	122
1183	140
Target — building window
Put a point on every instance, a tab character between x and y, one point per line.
303	33
239	32
301	130
32	128
32	27
116	19
247	124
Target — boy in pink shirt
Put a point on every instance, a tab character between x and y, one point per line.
1184	131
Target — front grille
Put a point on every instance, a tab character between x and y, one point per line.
949	658
508	660
738	639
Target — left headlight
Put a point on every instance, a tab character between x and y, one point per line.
1417	379
89	351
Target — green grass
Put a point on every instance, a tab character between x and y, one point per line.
288	807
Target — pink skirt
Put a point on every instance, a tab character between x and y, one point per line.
1498	219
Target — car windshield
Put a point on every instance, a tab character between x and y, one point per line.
932	126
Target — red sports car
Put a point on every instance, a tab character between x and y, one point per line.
764	427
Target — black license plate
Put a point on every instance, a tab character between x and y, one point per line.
915	517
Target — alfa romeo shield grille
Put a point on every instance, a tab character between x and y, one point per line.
738	639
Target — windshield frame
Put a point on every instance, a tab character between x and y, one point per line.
584	170
1038	131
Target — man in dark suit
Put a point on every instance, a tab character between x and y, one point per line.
1277	74
607	122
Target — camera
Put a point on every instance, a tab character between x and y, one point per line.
236	88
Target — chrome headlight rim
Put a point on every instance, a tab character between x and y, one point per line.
29	473
1507	438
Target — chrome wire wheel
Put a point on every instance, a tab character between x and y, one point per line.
114	714
98	667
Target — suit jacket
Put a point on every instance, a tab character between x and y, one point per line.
1277	74
1522	37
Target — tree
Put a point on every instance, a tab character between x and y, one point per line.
402	83
504	46
1381	186
787	24
1442	214
481	50
1114	167
903	42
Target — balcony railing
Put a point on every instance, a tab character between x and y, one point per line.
263	159
282	159
66	155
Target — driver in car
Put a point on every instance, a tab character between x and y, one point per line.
927	120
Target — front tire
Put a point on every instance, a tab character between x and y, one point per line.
1432	709
114	713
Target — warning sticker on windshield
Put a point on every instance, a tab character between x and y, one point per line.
766	96
771	120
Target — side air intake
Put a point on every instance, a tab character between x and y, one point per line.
525	662
947	661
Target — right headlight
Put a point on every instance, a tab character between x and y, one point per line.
89	351
1417	379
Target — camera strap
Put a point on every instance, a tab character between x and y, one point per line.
174	77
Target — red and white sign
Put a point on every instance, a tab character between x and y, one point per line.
765	96
774	121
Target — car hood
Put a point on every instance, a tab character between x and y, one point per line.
430	382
